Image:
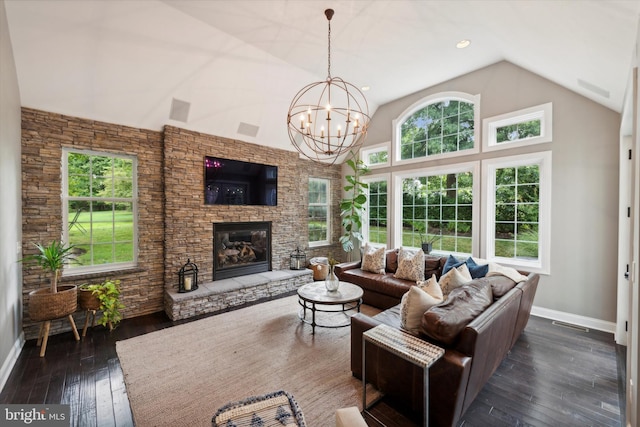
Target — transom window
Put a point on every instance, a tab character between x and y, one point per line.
529	126
441	126
318	218
376	156
99	209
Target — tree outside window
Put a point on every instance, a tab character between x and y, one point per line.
441	127
439	209
517	198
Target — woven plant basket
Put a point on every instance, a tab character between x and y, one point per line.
87	300
43	305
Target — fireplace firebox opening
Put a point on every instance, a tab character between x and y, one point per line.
241	248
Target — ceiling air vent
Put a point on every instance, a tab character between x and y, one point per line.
593	88
247	129
179	110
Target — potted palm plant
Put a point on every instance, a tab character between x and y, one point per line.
56	301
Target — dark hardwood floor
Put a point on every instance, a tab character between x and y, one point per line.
554	376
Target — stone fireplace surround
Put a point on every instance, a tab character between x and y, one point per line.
174	223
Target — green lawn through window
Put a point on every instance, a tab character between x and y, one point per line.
110	235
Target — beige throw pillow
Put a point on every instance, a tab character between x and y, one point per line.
454	278
416	301
373	259
431	287
410	265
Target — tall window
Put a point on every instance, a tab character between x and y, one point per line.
99	209
374	227
318	218
438	207
518	210
437	127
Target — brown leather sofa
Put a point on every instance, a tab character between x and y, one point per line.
476	338
384	290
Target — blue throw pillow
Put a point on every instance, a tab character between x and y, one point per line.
476	270
452	262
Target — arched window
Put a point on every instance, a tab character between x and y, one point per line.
440	125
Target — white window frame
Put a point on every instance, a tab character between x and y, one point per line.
365	220
365	152
327	205
431	99
544	160
490	125
473	167
73	271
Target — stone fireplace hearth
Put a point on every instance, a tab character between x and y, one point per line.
241	248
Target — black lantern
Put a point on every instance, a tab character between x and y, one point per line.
188	277
298	259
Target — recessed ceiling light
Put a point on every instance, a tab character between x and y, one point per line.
365	88
463	43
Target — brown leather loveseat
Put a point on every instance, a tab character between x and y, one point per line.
477	326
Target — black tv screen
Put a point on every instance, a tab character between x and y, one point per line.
234	182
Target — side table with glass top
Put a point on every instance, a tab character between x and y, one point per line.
408	347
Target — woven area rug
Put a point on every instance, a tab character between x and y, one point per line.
181	375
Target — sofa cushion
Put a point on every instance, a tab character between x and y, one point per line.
433	265
392	261
444	322
373	259
416	301
384	284
477	270
410	265
431	286
454	278
500	285
452	262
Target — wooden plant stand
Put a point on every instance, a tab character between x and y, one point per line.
43	336
90	313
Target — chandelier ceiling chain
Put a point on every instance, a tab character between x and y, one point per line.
329	14
332	116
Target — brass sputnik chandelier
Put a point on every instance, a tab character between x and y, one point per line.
327	119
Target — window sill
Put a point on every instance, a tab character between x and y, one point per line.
101	274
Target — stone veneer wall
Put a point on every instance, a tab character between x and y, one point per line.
188	221
173	221
44	135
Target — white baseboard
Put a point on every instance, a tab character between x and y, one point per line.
11	359
574	319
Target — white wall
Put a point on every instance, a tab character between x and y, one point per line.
11	337
582	285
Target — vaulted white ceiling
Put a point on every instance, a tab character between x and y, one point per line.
242	61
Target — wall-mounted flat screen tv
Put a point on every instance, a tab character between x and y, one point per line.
234	182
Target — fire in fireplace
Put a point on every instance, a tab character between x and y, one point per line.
241	248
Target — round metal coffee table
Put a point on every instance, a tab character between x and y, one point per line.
348	297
